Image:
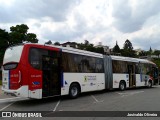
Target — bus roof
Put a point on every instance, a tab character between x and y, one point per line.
78	51
129	59
71	50
88	53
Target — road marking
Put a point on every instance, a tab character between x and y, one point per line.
96	99
129	93
56	105
12	99
7	106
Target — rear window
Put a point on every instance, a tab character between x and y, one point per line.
10	66
13	54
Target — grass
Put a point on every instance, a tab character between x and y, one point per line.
0	82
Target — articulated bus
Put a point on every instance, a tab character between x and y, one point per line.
40	71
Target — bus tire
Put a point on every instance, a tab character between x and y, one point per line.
122	85
149	83
74	90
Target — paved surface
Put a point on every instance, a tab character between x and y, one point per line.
2	95
140	99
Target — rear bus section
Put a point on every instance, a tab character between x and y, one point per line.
12	69
32	70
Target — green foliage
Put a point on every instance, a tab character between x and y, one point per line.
82	46
116	48
143	53
57	43
128	49
156	52
49	42
100	50
19	34
4	38
86	42
31	37
128	45
157	62
128	53
89	47
150	50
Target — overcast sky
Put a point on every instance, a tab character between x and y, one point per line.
105	21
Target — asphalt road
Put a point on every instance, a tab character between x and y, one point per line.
139	99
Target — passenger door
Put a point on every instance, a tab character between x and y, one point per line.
132	77
51	76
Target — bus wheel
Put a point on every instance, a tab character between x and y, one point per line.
150	84
74	90
122	85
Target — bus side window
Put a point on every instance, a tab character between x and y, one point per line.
34	58
99	65
138	69
155	72
85	65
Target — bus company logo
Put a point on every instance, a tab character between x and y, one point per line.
6	114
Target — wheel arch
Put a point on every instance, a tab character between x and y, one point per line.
150	81
125	85
123	81
75	82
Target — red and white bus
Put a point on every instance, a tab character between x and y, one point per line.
39	71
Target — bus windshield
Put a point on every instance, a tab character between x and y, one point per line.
13	54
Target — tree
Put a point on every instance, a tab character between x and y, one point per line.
90	47
100	50
31	37
57	43
150	50
81	46
86	42
143	53
19	34
128	49
86	46
128	45
49	42
4	39
157	52
116	48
